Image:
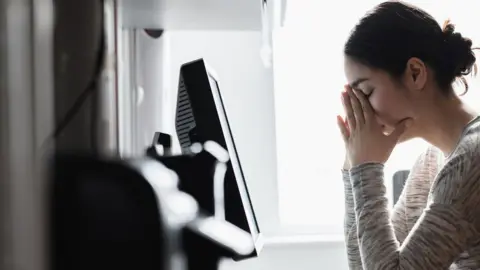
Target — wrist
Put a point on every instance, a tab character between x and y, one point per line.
363	162
366	166
346	165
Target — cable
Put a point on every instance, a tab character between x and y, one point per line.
92	85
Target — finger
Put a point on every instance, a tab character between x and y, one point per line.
357	108
343	128
368	111
400	129
347	106
346	124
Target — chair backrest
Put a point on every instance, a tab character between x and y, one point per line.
399	179
104	215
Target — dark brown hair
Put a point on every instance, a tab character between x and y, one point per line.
393	32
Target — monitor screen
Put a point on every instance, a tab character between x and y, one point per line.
200	117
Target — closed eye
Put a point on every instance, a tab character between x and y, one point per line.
368	93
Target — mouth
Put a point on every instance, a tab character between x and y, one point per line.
388	129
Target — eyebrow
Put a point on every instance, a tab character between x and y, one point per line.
355	83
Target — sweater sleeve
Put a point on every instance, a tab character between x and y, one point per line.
398	218
415	192
350	226
441	233
417	185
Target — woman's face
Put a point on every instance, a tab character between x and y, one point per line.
387	96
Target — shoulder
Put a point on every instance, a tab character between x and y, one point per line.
428	164
469	145
466	155
459	179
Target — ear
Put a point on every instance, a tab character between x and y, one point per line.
415	74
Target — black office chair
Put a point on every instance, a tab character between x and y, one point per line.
114	214
399	180
104	215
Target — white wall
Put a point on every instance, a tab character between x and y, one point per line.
247	89
150	80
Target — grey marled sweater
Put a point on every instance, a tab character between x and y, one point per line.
434	225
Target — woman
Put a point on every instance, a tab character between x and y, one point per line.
400	66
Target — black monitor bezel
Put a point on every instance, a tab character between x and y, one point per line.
202	76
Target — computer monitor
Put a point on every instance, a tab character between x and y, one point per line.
201	117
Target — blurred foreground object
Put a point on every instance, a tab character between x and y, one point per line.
114	214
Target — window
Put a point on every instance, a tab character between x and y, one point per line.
308	80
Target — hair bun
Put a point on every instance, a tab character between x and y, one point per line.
459	51
448	28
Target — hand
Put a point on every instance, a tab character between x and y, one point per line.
364	138
344	125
